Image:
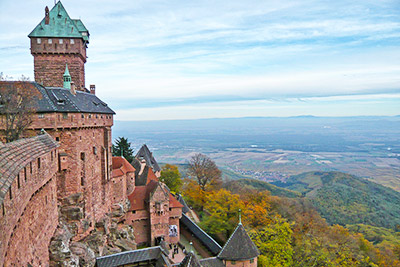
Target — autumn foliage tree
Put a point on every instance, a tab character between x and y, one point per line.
171	177
18	102
204	171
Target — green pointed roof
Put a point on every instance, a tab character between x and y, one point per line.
66	73
60	25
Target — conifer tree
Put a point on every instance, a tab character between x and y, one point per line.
122	147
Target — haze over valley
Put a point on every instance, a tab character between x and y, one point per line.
272	149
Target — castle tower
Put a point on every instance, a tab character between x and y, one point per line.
55	41
239	250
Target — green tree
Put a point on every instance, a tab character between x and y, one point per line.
171	177
122	146
222	212
274	243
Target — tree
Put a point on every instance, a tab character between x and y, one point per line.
171	177
222	212
122	147
205	171
274	243
18	102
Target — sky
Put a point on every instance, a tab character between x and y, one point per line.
160	60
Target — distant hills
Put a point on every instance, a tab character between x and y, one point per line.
346	199
245	184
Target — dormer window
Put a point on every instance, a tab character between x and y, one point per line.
50	41
39	41
60	101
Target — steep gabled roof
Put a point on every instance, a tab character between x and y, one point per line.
141	195
212	262
239	246
55	99
190	261
155	255
60	25
16	155
144	152
120	166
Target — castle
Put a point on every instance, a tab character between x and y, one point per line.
62	174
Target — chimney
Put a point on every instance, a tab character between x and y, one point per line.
142	166
46	16
73	89
93	89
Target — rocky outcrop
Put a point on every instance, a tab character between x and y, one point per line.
109	235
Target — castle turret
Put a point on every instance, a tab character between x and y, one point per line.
67	78
57	40
239	250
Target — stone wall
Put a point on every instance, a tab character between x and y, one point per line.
248	263
85	154
159	214
29	216
50	60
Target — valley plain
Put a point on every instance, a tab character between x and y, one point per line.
273	149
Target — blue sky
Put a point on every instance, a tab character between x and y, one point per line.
212	59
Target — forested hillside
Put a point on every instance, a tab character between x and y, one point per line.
288	231
252	184
346	199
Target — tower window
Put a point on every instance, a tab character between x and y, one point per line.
41	116
50	41
82	155
60	41
72	41
39	41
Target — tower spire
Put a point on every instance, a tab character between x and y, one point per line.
240	216
67	78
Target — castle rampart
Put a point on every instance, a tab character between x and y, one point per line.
28	215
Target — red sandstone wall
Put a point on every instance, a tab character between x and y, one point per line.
119	189
87	168
142	231
30	216
50	60
159	216
248	263
130	183
69	120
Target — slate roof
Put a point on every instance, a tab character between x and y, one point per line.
60	25
55	99
212	262
144	152
207	240
120	167
16	155
185	207
239	246
190	261
136	256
